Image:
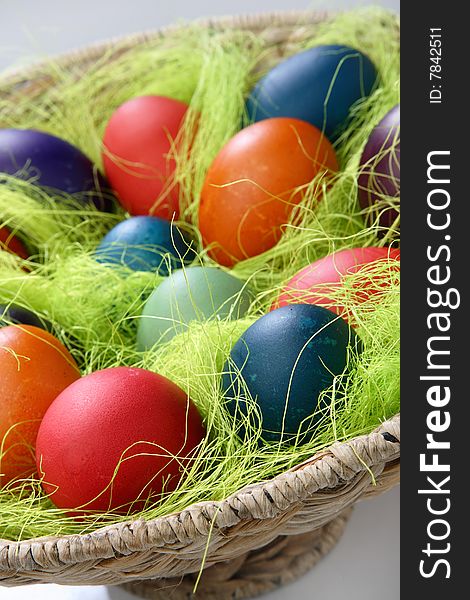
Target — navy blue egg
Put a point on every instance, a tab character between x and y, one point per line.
53	163
146	244
12	314
284	361
318	85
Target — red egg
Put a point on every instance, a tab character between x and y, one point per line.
34	368
12	244
254	184
116	438
139	144
317	282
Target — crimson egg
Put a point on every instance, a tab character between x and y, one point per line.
115	439
12	244
139	142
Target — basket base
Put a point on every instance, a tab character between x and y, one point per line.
282	561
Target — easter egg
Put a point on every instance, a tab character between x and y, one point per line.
116	438
12	314
146	244
12	244
255	182
192	294
139	142
35	367
284	361
380	170
51	162
317	283
318	85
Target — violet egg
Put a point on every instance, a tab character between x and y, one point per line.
380	170
13	314
53	163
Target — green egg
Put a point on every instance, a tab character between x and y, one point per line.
194	293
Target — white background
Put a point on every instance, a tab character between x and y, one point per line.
365	564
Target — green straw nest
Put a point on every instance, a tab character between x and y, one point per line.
94	309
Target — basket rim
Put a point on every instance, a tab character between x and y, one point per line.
331	468
261	21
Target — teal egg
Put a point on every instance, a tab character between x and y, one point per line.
191	294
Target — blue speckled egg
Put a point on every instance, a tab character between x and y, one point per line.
284	361
146	244
12	314
318	85
53	163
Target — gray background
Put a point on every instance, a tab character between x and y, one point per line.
29	28
365	565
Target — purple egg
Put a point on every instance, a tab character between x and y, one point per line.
380	167
53	163
13	314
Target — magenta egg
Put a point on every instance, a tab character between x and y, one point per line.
318	282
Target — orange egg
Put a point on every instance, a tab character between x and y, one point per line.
253	185
34	368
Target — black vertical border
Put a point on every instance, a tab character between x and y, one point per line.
428	127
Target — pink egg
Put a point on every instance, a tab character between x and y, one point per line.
317	282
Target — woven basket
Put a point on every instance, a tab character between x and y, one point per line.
262	536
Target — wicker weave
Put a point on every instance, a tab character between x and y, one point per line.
247	538
251	573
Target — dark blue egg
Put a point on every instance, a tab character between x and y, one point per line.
53	163
12	314
146	244
318	85
284	361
